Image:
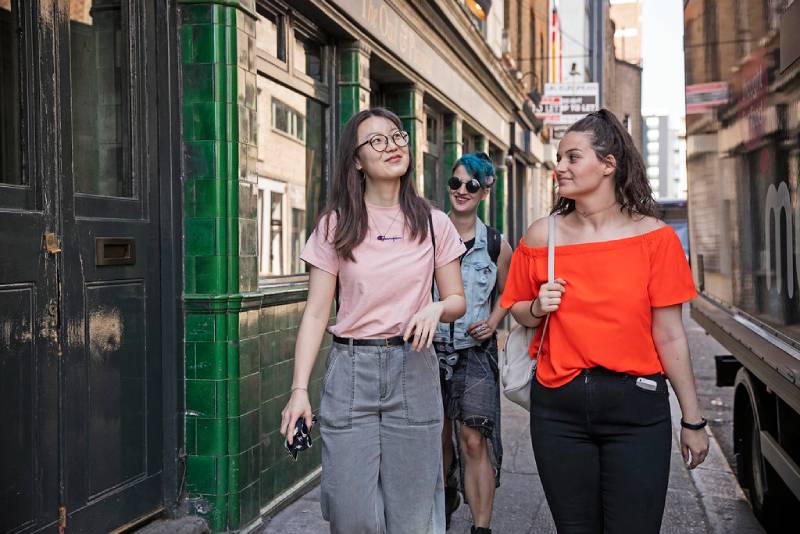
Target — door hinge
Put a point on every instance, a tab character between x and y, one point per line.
51	244
62	519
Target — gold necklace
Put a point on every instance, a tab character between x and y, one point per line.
382	236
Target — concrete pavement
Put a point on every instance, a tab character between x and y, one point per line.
706	500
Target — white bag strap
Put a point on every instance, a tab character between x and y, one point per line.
551	261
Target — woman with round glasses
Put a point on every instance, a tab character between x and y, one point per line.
377	247
467	351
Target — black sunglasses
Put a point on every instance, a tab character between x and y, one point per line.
473	186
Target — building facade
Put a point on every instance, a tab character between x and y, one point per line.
627	17
164	163
740	149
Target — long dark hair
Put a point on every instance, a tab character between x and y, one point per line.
347	192
609	137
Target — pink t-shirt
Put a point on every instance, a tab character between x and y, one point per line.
390	280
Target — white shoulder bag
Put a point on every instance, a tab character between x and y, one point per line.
517	369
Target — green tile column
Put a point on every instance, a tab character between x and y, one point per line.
219	150
501	200
451	149
482	145
353	80
406	102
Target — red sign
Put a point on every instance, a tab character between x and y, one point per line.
703	97
550	109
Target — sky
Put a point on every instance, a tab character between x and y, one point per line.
662	58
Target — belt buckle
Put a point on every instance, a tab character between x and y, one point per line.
386	342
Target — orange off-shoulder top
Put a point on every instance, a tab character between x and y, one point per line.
605	317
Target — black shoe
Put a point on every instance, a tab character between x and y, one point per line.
452	500
481	530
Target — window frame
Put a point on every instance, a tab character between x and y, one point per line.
324	93
24	196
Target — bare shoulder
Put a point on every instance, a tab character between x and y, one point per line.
647	224
536	235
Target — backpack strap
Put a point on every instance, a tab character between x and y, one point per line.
494	239
433	242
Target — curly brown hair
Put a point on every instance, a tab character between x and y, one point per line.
610	138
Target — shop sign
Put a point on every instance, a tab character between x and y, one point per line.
550	110
558	131
577	100
389	28
703	97
750	90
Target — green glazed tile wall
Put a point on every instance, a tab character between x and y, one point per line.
501	200
239	343
353	81
218	104
452	149
406	102
482	145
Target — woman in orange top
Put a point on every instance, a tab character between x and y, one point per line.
600	420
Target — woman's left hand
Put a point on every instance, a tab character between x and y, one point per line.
481	330
694	446
423	325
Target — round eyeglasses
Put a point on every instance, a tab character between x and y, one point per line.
380	142
473	186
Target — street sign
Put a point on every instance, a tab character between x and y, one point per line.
577	100
703	97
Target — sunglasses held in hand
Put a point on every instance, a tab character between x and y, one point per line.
301	439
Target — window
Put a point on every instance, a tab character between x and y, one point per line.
287	120
270	33
652	135
652	159
652	148
9	97
308	58
431	129
289	166
652	122
99	51
653	172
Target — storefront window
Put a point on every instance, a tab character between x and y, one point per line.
9	96
100	100
289	167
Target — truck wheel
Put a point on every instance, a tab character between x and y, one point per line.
764	488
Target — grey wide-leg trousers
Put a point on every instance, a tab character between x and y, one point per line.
381	424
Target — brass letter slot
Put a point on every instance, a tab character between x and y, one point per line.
115	251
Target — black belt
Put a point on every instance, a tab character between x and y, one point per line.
385	342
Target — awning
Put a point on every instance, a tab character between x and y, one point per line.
480	8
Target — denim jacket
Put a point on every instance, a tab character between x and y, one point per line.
479	275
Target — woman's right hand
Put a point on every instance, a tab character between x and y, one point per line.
549	298
297	407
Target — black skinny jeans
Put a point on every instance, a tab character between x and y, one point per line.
602	448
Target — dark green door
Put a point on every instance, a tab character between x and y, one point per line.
112	360
84	349
29	298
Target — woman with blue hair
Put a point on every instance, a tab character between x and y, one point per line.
467	351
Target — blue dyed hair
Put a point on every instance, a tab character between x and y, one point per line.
479	166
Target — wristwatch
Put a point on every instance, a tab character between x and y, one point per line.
694	426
